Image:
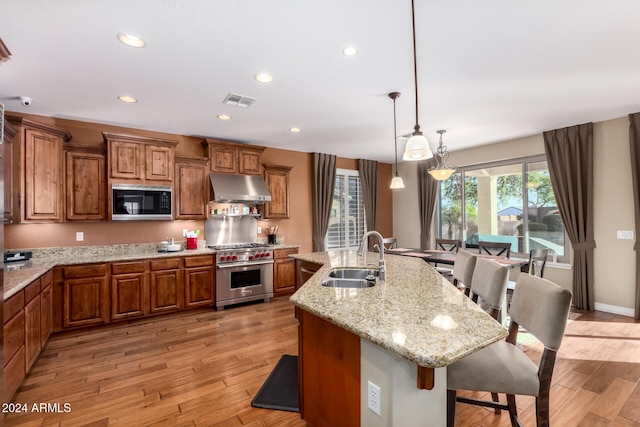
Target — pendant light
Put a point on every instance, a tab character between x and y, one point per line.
441	171
417	147
396	182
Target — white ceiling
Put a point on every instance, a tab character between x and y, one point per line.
489	70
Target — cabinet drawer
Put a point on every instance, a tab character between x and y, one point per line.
198	261
13	336
165	264
32	291
46	279
284	253
128	267
13	305
95	270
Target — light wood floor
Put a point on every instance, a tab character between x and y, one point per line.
203	368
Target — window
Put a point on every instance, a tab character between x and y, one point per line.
346	222
504	201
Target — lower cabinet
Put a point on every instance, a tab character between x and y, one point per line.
166	285
85	295
199	281
46	307
128	290
32	339
284	272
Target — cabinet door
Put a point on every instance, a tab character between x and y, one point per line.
14	372
42	176
249	162
125	159
166	291
46	313
13	339
127	296
32	338
199	286
10	168
159	163
277	179
85	183
284	276
192	188
223	159
86	302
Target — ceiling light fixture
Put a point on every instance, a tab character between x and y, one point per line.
396	181
131	40
263	77
224	117
441	171
417	147
349	51
295	130
127	99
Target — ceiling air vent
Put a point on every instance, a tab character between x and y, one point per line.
238	100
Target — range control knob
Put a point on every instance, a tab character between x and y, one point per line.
267	254
222	257
251	257
234	257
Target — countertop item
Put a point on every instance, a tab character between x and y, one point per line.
415	313
44	259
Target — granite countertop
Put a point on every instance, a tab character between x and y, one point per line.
415	313
45	259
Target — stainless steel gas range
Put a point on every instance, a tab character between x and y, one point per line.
244	272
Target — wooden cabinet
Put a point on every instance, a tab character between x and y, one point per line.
85	295
129	294
41	184
139	159
10	168
199	281
191	188
277	179
46	307
232	157
85	184
166	285
32	338
13	345
284	271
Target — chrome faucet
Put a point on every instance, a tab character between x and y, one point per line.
361	251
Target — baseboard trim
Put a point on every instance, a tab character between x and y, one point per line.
614	309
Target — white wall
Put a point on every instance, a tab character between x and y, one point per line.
614	264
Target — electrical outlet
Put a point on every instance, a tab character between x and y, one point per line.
374	397
184	232
79	236
259	230
625	234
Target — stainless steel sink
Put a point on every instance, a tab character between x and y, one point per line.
332	282
351	278
353	273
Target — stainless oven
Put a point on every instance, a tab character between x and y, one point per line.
243	275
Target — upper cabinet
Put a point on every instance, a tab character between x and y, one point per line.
277	178
10	167
38	147
191	188
139	159
232	157
85	184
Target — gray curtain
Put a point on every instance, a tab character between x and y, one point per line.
427	198
324	178
570	160
634	144
369	184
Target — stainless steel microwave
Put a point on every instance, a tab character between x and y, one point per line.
140	202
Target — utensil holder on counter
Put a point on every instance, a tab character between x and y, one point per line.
192	243
271	239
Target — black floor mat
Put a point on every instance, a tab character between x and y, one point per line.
280	390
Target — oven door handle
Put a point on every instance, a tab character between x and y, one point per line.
244	265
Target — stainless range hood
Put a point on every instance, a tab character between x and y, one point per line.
239	188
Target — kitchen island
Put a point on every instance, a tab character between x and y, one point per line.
398	335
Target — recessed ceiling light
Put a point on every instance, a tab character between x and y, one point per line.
224	117
349	51
129	99
131	40
263	77
295	130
